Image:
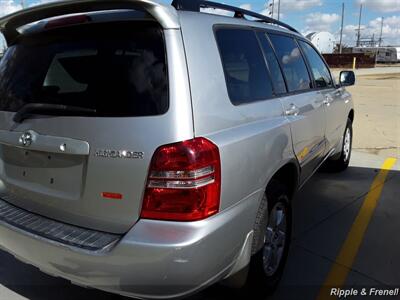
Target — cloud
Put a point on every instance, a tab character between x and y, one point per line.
287	6
320	21
390	31
268	13
385	6
8	7
216	11
349	34
2	44
292	5
39	2
246	6
221	11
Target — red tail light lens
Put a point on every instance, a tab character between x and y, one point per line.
184	182
67	21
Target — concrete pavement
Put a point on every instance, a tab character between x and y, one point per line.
376	98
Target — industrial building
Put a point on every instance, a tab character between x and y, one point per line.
383	54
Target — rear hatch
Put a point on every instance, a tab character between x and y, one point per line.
85	166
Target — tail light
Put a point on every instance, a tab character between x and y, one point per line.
184	182
67	21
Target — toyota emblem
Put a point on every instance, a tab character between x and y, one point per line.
26	139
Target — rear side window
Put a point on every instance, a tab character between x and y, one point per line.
118	69
273	65
319	69
245	70
291	60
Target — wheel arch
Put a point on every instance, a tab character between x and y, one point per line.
351	115
289	175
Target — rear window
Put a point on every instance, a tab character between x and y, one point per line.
320	71
273	64
118	69
292	62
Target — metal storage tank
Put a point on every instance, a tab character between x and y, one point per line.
324	41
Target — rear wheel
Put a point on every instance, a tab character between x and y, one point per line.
340	163
272	238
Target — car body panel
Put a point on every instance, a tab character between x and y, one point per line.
155	259
338	107
165	259
308	140
69	187
253	139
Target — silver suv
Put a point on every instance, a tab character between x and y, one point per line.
152	150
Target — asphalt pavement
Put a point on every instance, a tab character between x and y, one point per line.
346	225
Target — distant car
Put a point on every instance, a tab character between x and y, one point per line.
152	150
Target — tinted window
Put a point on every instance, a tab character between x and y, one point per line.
117	69
273	65
246	74
2	44
320	72
293	65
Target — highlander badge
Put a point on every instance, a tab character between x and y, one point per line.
106	153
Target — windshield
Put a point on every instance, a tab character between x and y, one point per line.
117	69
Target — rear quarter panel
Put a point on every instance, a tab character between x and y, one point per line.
254	139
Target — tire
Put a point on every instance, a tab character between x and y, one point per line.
341	162
267	265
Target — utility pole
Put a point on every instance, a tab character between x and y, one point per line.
273	6
359	27
341	30
380	35
22	4
279	9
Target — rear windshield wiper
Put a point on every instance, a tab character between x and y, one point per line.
44	108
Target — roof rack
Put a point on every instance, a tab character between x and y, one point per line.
196	5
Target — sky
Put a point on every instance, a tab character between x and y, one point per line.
309	15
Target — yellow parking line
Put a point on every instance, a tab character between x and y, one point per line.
339	271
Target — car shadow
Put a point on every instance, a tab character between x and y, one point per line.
324	197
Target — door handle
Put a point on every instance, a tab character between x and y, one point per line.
328	100
292	111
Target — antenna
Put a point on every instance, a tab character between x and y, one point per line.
273	7
279	9
380	35
341	30
359	27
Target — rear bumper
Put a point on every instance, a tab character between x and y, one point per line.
153	260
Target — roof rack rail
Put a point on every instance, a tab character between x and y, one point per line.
196	5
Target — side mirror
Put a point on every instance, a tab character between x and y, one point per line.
347	78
